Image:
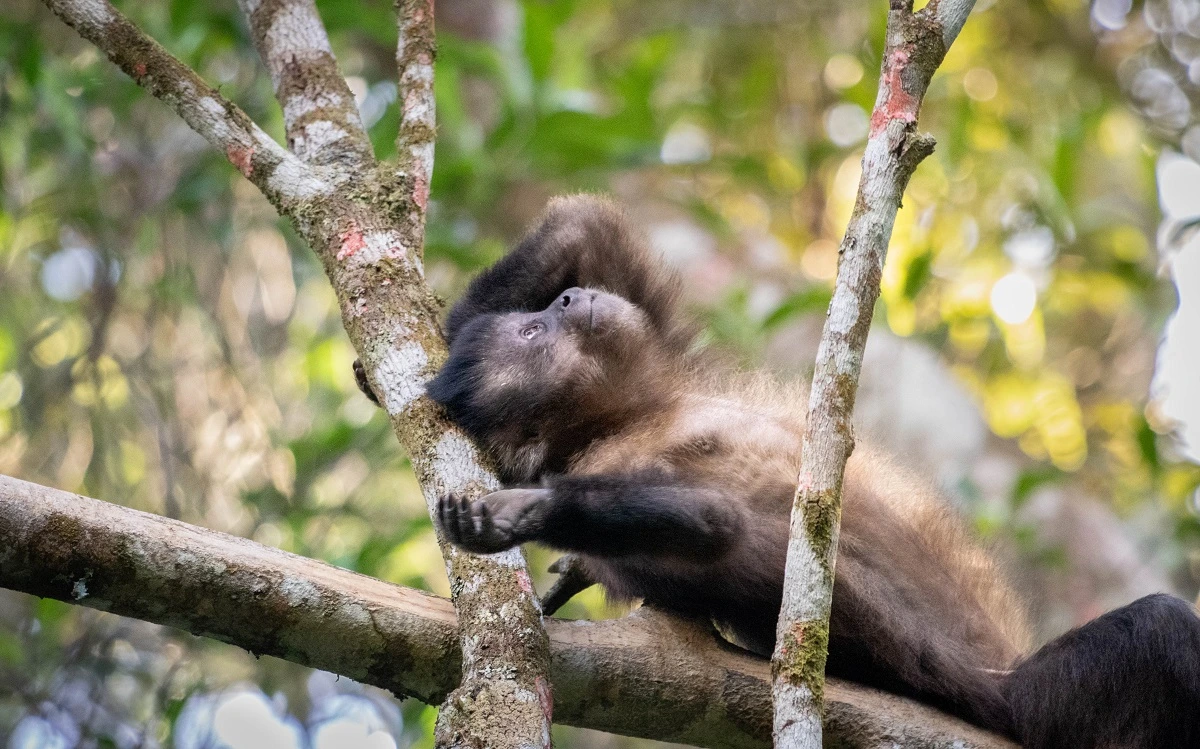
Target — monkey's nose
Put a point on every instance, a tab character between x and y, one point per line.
570	294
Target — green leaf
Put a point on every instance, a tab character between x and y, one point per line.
1033	479
918	273
1147	443
801	303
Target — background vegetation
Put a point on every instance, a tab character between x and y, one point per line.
166	343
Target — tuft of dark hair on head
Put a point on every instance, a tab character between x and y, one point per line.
585	241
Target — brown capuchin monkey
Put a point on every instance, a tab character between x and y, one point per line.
671	477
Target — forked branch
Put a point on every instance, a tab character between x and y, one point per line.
366	222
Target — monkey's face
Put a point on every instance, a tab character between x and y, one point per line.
512	378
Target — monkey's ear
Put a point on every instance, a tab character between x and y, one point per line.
460	375
580	240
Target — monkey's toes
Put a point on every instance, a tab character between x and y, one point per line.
360	379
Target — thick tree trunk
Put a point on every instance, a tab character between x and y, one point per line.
650	675
916	44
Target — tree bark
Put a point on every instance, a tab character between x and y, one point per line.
366	223
649	675
319	113
916	44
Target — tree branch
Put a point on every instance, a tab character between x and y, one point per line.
283	178
319	112
648	674
916	44
415	54
368	232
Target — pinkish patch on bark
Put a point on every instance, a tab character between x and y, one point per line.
421	190
412	100
805	482
241	158
545	695
352	241
139	70
899	104
524	581
418	15
798	632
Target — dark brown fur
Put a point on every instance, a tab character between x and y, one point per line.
673	478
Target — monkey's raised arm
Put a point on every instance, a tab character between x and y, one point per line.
581	240
599	515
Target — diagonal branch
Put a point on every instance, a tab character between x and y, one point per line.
915	46
283	178
648	675
319	112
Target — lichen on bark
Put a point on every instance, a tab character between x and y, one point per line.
802	657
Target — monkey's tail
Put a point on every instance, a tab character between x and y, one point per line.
1130	678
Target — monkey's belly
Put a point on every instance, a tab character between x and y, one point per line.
748	605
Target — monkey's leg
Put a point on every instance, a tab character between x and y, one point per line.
572	580
599	515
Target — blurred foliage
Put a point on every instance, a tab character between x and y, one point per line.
167	343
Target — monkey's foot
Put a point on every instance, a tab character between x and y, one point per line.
360	378
572	580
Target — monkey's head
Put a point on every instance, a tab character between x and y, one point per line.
535	387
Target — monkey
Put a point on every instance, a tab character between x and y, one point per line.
669	476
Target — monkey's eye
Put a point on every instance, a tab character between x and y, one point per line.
530	331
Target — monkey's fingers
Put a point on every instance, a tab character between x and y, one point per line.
446	510
485	524
466	526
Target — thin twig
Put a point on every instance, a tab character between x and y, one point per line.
283	178
414	60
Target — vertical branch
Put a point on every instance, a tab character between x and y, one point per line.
319	112
504	699
915	46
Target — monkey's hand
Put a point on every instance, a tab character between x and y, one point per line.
494	522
